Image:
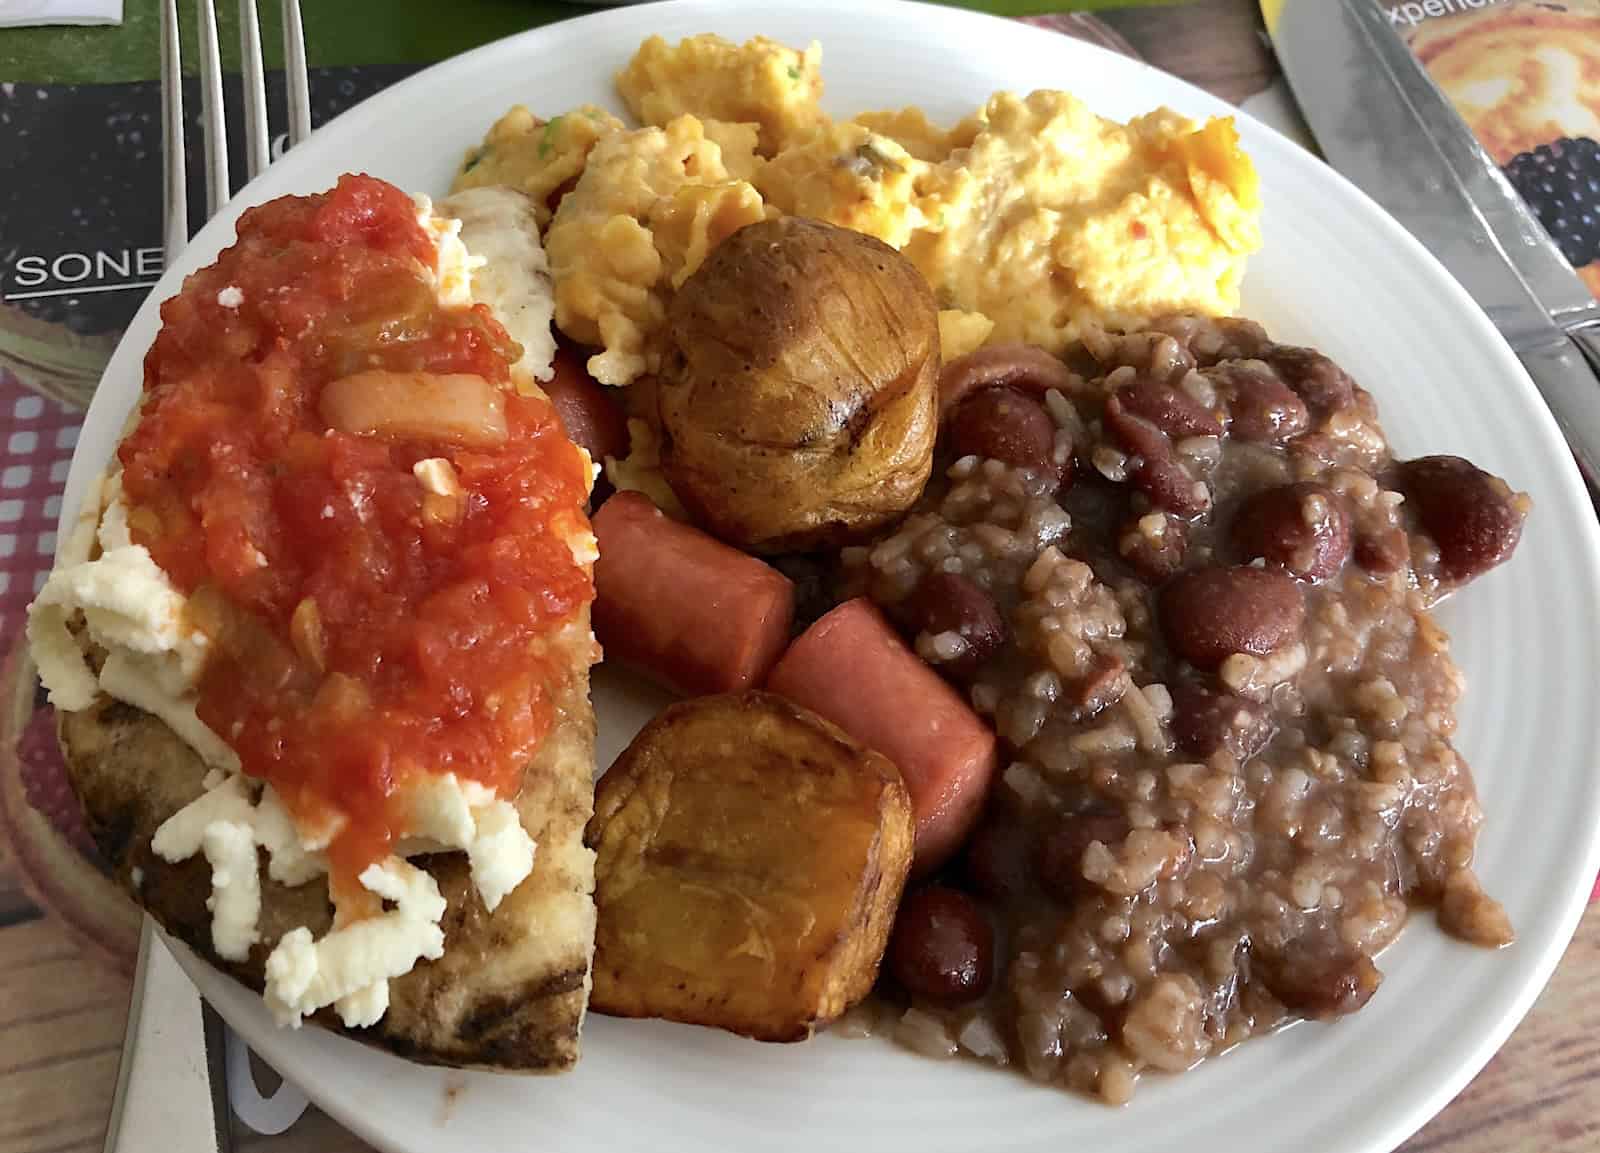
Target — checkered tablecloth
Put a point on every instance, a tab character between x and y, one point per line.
39	436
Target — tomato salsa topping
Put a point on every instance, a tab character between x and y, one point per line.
370	618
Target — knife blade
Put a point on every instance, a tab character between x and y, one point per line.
1379	119
171	1089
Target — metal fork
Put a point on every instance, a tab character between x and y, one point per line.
174	1081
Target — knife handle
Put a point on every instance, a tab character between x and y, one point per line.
1571	388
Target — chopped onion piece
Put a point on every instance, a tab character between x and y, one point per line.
457	407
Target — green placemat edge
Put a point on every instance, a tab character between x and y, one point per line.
337	32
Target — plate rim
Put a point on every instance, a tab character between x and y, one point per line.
1406	1118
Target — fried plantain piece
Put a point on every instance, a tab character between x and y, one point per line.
750	858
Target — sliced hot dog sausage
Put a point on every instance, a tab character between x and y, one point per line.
851	668
686	610
592	417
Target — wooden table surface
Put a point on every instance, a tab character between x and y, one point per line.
62	1013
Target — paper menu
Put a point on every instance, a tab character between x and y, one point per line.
1525	76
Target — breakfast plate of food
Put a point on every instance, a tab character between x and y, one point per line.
823	575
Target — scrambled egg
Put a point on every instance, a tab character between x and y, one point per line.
536	156
1029	219
649	206
912	130
962	332
1053	216
850	176
761	83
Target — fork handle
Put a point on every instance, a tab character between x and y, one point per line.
166	1097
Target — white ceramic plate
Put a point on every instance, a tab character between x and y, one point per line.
1335	272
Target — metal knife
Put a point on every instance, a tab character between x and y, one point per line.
1381	121
171	1086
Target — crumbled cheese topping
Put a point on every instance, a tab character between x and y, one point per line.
450	813
351	966
227	826
446	813
230	297
113	531
132	610
500	853
291	860
454	266
438	476
584	547
294	853
512	277
235	901
158	686
126	602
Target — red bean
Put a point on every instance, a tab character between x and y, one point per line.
1317	380
942	949
1261	408
1061	850
1209	614
1025	367
1004	423
951	603
1206	719
1319	975
997	861
1157	471
1155	557
1238	337
1473	516
1302	529
1172	410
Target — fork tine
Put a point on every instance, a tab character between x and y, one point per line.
174	188
213	110
294	68
257	145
